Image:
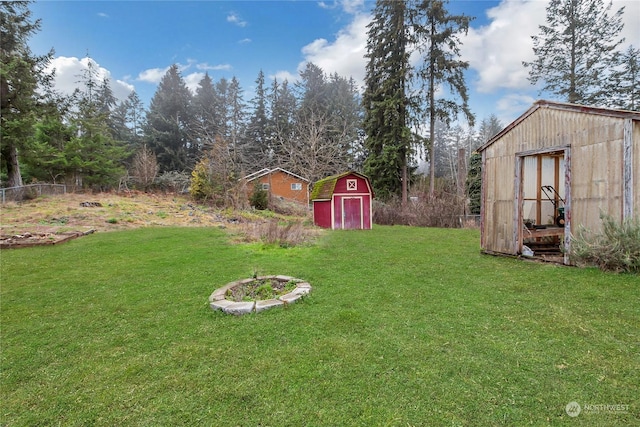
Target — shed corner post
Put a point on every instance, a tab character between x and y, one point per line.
567	205
517	211
627	172
483	192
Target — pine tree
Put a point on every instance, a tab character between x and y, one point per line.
281	119
21	75
575	51
236	123
625	81
258	149
345	120
474	183
168	123
134	119
437	36
206	120
94	158
385	100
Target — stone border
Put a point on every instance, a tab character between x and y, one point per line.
217	299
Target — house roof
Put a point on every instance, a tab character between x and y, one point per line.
563	106
324	188
267	171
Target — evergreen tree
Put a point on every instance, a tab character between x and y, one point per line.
206	122
385	100
625	81
21	75
168	123
236	123
437	35
47	160
120	131
312	89
93	157
222	107
257	148
474	183
281	120
576	49
134	119
489	127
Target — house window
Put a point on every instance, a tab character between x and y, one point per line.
352	185
296	186
265	186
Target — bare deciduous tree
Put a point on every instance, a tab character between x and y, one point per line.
145	167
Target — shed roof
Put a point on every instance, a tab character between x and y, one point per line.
611	112
267	171
324	188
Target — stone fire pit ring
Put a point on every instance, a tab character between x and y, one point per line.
218	301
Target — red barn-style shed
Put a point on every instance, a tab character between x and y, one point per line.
343	201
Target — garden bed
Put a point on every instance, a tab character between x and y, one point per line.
257	294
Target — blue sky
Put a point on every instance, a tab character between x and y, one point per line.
134	42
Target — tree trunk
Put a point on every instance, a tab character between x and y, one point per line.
10	153
404	182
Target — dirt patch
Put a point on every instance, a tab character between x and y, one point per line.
38	239
53	219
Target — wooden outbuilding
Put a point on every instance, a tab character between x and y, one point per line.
343	201
557	167
280	183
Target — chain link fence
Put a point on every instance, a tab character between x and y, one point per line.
31	191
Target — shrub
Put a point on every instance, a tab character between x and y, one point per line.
202	187
259	197
615	248
145	167
282	233
443	210
173	182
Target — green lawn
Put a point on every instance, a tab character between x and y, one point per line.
405	327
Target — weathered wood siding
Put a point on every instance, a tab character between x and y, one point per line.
635	169
597	175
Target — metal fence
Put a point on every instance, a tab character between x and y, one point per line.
31	191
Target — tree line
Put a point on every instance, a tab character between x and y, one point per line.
320	125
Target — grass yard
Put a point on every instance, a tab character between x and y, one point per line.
405	327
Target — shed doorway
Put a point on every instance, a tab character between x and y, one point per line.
352	213
542	203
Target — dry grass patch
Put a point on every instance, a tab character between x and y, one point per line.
105	212
279	232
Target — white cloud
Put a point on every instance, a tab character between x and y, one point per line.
207	67
631	30
69	71
349	6
103	15
345	55
192	80
512	105
285	75
245	41
234	18
153	75
496	51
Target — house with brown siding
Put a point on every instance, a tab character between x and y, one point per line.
557	167
280	183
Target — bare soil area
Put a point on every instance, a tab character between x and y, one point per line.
53	219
